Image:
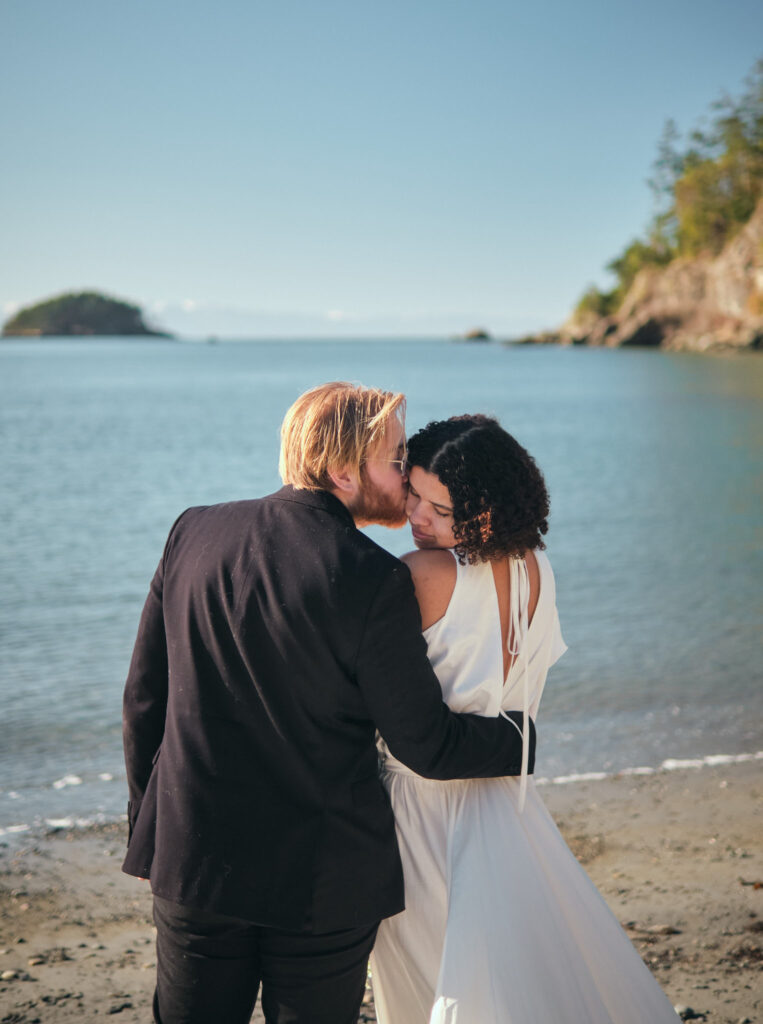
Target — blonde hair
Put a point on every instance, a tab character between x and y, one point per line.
333	427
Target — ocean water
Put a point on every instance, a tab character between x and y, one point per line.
654	463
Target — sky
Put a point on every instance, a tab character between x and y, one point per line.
346	168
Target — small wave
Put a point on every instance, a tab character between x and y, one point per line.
67	780
671	764
713	759
60	822
72	822
10	830
68	822
561	780
64	782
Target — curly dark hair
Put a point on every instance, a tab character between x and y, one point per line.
499	496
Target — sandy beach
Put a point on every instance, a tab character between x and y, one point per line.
677	855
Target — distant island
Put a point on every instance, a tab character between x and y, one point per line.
473	334
695	281
80	314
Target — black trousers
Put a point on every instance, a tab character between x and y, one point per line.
210	967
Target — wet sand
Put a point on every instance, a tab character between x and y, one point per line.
677	855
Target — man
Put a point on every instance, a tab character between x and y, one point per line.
275	640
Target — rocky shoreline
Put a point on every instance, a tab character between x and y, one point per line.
700	305
677	855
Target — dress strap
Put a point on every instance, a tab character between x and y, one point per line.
519	599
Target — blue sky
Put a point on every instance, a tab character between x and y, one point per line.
343	168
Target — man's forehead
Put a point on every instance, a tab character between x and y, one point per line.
393	439
395	435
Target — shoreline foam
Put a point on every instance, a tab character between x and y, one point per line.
43	825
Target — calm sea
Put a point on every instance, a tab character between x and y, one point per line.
654	464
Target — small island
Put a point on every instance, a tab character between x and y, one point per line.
80	314
477	334
473	334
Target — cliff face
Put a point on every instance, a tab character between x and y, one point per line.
701	304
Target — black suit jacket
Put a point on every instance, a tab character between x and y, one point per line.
275	639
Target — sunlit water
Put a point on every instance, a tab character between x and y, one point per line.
653	461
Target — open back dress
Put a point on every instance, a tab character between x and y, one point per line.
502	925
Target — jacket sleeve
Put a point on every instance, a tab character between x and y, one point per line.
405	701
144	704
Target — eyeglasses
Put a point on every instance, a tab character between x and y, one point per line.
402	464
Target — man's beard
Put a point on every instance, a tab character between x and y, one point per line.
372	505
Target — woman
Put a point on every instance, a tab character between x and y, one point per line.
502	925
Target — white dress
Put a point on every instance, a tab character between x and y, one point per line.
502	925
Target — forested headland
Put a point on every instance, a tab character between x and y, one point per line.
694	279
80	314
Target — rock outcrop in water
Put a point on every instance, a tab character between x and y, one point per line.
694	279
80	314
692	304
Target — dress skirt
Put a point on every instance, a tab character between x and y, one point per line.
502	925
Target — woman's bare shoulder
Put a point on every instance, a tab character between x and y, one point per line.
430	560
434	577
